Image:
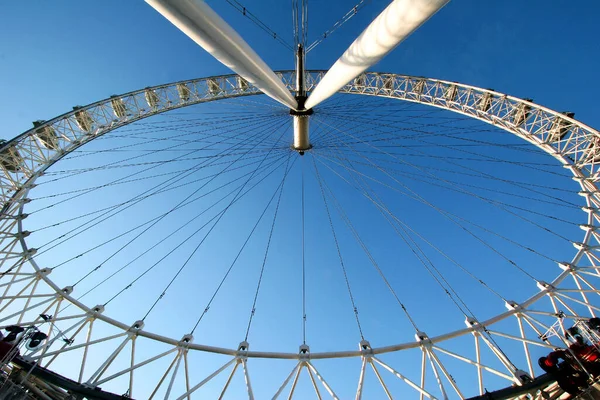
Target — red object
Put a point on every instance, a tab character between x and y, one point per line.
5	348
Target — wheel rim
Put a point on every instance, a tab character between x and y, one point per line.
575	148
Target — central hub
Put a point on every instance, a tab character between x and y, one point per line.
301	123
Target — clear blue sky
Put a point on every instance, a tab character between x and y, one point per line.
55	55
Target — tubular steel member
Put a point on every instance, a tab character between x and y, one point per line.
300	116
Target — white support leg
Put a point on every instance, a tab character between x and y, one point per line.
392	26
205	27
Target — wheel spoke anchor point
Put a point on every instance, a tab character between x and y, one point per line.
304	352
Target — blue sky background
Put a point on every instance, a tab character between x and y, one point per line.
78	52
57	55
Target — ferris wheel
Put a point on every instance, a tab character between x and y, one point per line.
299	234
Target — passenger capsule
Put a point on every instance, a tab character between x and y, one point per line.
389	83
242	84
184	92
83	119
418	86
151	98
593	152
560	127
359	81
485	102
10	159
46	135
521	113
118	107
213	86
451	93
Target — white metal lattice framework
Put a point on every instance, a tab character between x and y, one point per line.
28	288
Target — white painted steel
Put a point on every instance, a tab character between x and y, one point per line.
301	135
205	27
574	148
388	30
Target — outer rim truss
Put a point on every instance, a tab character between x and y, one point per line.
26	157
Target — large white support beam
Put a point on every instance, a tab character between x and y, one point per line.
392	26
205	27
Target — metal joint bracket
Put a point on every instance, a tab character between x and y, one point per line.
474	325
588	228
43	272
304	352
513	305
365	348
546	287
422	338
186	340
99	309
21	235
242	351
67	290
587	193
583	246
566	266
136	327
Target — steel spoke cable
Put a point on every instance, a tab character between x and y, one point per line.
238	6
218	219
385	209
163	163
533	166
278	190
181	227
194	169
453	134
452	215
338	24
521	147
363	187
180	158
408	134
462	173
499	204
483	160
139	198
364	248
249	102
143	128
204	210
303	225
341	259
183	130
520	185
429	167
264	263
449	216
452	186
241	127
417	252
343	103
205	116
154	221
377	166
317	139
304	32
137	180
106	211
419	256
